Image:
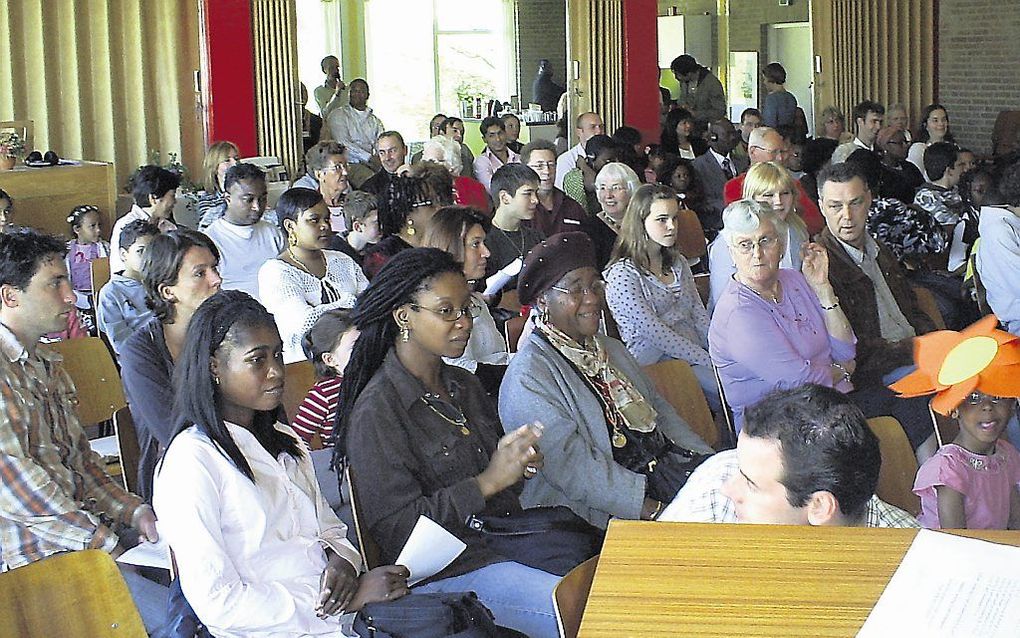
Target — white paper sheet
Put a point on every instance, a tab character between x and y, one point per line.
428	550
496	282
950	586
147	555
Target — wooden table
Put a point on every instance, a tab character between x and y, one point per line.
693	579
43	197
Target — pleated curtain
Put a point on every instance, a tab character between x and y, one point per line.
277	99
606	56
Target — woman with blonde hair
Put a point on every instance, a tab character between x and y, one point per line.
212	203
651	290
771	184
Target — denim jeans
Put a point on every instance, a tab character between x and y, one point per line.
150	598
520	597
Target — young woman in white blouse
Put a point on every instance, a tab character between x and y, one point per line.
259	552
651	291
305	281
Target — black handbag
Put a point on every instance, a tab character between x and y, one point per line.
435	615
669	472
552	539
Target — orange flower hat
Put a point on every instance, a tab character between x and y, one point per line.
953	364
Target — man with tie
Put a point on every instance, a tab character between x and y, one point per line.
715	168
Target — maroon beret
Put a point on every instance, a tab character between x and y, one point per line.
549	260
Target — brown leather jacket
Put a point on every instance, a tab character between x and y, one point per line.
875	355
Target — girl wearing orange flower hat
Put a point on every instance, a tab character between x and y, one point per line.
975	377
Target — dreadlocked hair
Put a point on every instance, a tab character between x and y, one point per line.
404	275
402	196
197	397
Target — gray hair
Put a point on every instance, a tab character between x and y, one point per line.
620	172
450	149
745	216
757	136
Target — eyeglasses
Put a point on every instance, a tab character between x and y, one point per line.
334	168
451	314
541	165
773	153
596	288
976	398
611	188
746	247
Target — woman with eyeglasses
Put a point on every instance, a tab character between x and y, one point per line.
306	281
422	438
614	186
613	446
327	173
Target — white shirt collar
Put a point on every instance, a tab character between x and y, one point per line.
721	158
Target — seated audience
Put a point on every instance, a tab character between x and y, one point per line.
515	188
998	254
651	292
453	128
327	167
512	124
716	167
613	446
900	178
436	124
868	118
404	214
467	191
975	188
122	308
939	195
154	191
579	182
750	119
972	482
257	549
56	496
817	153
88	244
304	280
496	153
361	216
679	174
213	200
676	136
555	212
657	158
780	105
806	456
770	184
328	346
179	272
357	128
461	232
632	148
438	182
392	154
399	401
896	116
245	241
614	186
587	126
934	128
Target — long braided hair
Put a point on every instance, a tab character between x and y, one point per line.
402	196
403	276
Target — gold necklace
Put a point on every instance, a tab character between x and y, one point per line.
773	295
459	421
290	251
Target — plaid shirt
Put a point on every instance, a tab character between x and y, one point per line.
54	493
701	501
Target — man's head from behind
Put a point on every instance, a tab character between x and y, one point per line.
35	293
685	68
806	457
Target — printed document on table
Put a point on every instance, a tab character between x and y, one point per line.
950	586
428	550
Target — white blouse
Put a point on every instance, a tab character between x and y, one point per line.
294	297
486	344
250	554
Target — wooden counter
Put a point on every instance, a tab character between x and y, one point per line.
689	579
44	197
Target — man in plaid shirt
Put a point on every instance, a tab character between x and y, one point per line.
54	493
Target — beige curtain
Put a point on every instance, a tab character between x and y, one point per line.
277	101
879	50
595	46
109	80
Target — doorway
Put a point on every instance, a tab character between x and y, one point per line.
790	45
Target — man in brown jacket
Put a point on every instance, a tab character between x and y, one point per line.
872	289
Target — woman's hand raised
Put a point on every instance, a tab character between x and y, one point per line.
515	453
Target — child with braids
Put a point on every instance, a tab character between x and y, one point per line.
405	209
422	438
258	550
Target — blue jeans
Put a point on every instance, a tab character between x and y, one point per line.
520	597
150	598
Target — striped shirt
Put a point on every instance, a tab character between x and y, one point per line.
54	493
317	412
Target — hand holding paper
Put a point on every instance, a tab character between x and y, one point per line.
428	550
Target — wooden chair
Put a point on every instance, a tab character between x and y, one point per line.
299	377
899	465
100	269
127	447
676	382
24	128
79	594
513	328
726	410
702	280
369	550
100	393
926	302
570	596
690	235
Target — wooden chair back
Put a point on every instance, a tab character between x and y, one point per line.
24	128
128	449
369	550
690	235
513	328
79	594
676	382
899	465
570	596
926	302
701	281
299	377
727	412
100	269
88	362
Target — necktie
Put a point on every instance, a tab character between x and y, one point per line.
727	167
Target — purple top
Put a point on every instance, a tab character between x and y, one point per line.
759	346
79	263
986	483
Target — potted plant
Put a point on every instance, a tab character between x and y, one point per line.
11	148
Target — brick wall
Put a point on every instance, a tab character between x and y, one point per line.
979	65
541	33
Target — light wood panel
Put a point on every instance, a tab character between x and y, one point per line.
44	197
690	579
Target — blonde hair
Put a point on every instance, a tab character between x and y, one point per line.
768	177
218	152
744	216
633	242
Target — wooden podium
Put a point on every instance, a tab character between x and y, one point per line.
44	197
